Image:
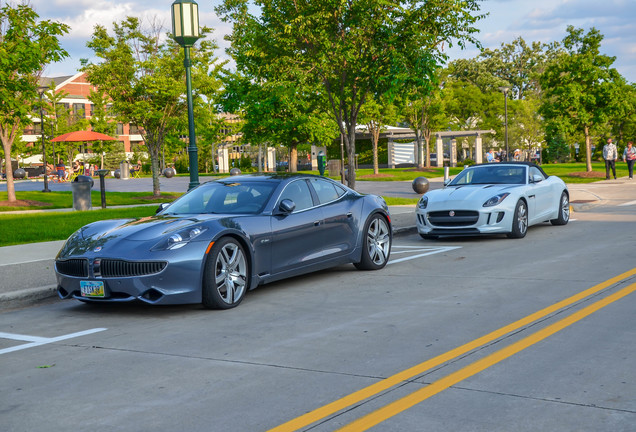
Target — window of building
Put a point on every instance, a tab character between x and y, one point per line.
120	128
79	110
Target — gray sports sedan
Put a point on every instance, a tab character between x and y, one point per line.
224	238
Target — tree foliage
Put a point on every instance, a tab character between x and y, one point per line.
27	44
580	87
349	49
145	79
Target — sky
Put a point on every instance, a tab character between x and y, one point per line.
535	20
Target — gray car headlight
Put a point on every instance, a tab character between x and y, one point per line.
423	202
180	238
496	200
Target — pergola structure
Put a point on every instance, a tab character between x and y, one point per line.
395	149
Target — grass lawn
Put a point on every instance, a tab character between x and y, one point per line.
39	227
37	200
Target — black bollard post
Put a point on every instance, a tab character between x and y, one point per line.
102	185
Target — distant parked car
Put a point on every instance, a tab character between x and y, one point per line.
224	238
501	198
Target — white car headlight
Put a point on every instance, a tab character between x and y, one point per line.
496	199
423	202
180	239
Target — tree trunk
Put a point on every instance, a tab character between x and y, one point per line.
350	144
374	130
588	150
418	156
293	157
427	140
154	163
9	170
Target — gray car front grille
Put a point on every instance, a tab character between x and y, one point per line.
73	267
121	268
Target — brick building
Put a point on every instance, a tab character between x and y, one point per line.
78	90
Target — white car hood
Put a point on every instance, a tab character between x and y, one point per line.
466	195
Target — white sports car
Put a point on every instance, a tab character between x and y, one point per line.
495	198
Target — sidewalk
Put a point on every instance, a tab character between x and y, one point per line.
27	271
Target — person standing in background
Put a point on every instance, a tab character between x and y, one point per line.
610	154
629	156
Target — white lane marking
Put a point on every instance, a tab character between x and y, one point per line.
426	251
37	341
627	204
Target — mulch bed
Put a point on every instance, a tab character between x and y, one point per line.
24	203
381	175
420	170
585	174
162	197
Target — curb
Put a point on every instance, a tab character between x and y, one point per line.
404	230
26	297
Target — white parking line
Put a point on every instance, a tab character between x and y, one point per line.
37	341
425	252
630	203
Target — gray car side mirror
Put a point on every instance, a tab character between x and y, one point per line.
286	206
161	207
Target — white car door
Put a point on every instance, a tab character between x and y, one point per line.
540	191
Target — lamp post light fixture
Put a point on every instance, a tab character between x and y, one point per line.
505	91
41	91
185	29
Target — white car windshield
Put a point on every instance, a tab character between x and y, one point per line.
491	174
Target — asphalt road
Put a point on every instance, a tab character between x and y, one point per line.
452	335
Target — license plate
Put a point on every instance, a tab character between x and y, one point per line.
92	289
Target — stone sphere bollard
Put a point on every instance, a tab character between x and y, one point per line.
421	185
117	174
169	172
235	171
19	173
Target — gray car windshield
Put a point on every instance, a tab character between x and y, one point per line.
224	198
491	174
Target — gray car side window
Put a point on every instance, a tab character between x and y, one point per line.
298	192
326	190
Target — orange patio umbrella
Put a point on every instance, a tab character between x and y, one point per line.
83	135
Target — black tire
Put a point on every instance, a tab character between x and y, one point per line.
376	244
519	221
564	210
226	276
429	237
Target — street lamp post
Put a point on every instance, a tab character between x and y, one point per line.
41	91
505	91
185	28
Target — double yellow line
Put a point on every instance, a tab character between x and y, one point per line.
416	397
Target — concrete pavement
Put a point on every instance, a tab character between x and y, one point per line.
27	275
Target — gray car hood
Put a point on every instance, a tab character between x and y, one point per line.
149	229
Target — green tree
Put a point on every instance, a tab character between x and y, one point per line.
101	121
348	49
276	111
525	126
26	46
424	112
376	113
580	87
145	80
